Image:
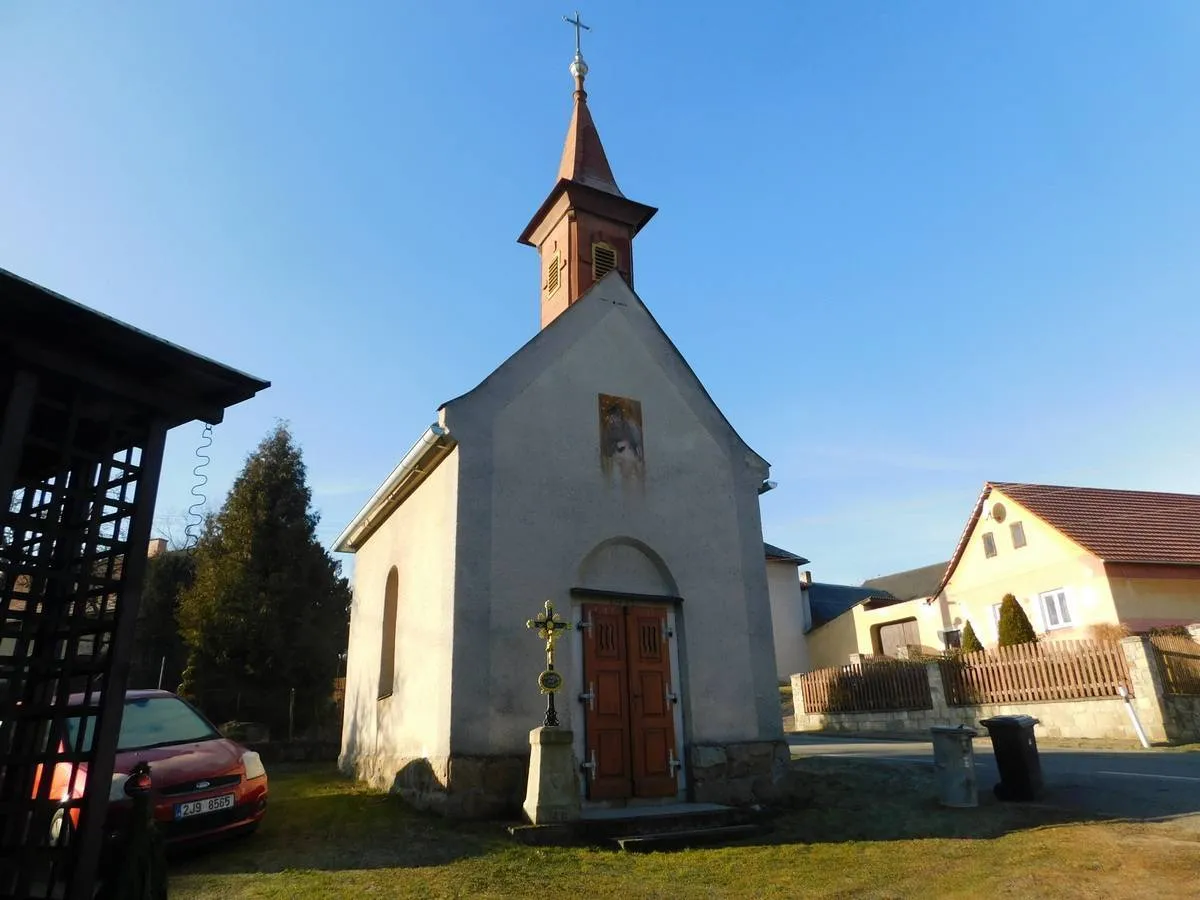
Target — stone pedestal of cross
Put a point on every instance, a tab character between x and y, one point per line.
552	792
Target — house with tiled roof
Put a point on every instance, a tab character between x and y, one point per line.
1075	557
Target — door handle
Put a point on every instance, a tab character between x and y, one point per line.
590	766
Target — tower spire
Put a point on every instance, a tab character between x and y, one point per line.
585	227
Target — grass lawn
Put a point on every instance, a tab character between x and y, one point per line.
869	831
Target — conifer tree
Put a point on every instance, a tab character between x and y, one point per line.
970	641
1014	627
268	609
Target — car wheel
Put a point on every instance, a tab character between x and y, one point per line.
60	828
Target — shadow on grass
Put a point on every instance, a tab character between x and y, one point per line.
873	800
319	820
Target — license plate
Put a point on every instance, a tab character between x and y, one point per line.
200	807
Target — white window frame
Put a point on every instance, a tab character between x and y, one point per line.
996	618
1059	601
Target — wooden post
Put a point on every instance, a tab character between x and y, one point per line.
112	700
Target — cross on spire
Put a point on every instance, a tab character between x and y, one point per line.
579	68
578	23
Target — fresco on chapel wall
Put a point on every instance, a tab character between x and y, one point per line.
621	437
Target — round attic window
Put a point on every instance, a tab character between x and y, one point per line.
998	512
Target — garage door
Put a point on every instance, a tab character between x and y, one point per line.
894	635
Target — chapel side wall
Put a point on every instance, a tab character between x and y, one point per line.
411	728
548	502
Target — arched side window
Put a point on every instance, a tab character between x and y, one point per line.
387	653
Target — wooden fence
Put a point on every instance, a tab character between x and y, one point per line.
1060	670
1178	661
867	686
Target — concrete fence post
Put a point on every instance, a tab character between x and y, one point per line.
937	691
1146	685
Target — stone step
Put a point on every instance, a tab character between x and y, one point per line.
691	837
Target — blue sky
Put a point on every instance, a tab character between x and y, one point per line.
907	246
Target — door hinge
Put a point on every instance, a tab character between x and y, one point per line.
672	697
590	697
672	763
590	766
585	624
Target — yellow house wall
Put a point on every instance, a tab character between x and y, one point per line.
1048	561
1161	600
929	623
832	643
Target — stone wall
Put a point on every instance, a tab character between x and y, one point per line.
741	773
469	787
1181	716
1165	718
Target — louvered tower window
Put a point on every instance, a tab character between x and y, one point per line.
604	260
552	277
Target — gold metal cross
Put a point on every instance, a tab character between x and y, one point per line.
548	625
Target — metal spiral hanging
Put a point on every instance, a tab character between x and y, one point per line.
195	511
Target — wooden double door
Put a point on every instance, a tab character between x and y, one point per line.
629	702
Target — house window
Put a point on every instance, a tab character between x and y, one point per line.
952	639
1018	535
996	615
552	275
989	545
387	653
1055	610
604	260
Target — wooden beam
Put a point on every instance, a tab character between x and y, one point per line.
164	402
598	594
17	411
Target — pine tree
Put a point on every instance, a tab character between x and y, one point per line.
970	641
1014	627
268	611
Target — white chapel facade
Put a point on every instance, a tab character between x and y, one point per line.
591	469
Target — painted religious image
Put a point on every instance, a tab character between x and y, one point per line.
621	437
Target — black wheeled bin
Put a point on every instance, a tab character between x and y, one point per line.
1017	758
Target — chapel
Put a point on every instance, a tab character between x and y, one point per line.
591	469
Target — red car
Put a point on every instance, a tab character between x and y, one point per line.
203	785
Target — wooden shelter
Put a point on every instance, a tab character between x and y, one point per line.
86	403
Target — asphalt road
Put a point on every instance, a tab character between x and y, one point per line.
1144	784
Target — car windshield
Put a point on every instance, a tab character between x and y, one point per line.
152	722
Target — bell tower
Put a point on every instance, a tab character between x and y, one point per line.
585	227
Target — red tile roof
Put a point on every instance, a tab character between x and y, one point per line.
1116	526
